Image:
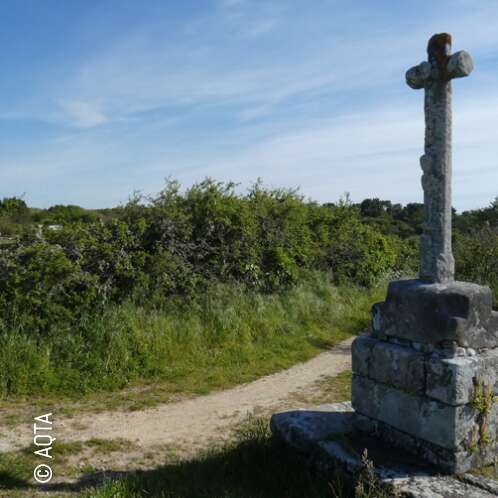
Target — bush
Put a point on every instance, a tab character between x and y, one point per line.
15	208
180	244
476	254
111	253
40	286
60	214
359	254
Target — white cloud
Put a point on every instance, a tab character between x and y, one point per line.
375	153
83	114
371	153
150	69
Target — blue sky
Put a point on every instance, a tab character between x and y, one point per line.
99	98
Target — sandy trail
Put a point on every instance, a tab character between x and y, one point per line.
193	423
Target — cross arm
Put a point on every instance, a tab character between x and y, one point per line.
460	64
418	75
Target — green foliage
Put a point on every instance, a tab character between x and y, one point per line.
483	397
40	285
373	208
180	244
13	213
224	336
167	250
60	214
476	219
110	253
483	400
476	254
14	207
393	219
360	254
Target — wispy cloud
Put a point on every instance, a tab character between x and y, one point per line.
240	89
83	114
370	153
148	70
374	153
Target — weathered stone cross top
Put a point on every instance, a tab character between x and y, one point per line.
436	258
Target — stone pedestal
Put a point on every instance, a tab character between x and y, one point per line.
426	379
325	438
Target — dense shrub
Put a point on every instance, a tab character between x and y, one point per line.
60	214
359	254
110	252
13	214
40	286
15	208
180	243
476	255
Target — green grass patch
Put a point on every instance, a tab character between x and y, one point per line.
16	469
336	388
105	446
227	336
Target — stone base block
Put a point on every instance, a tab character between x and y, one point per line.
450	461
454	313
327	439
451	380
442	409
457	380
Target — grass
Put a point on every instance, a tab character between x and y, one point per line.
227	336
328	389
146	356
336	388
16	469
105	446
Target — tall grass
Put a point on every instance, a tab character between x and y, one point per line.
225	336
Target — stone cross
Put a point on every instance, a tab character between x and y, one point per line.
436	258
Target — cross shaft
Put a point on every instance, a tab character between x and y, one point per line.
436	258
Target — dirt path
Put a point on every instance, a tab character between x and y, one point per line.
193	423
197	419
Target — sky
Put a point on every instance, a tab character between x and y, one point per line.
101	98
